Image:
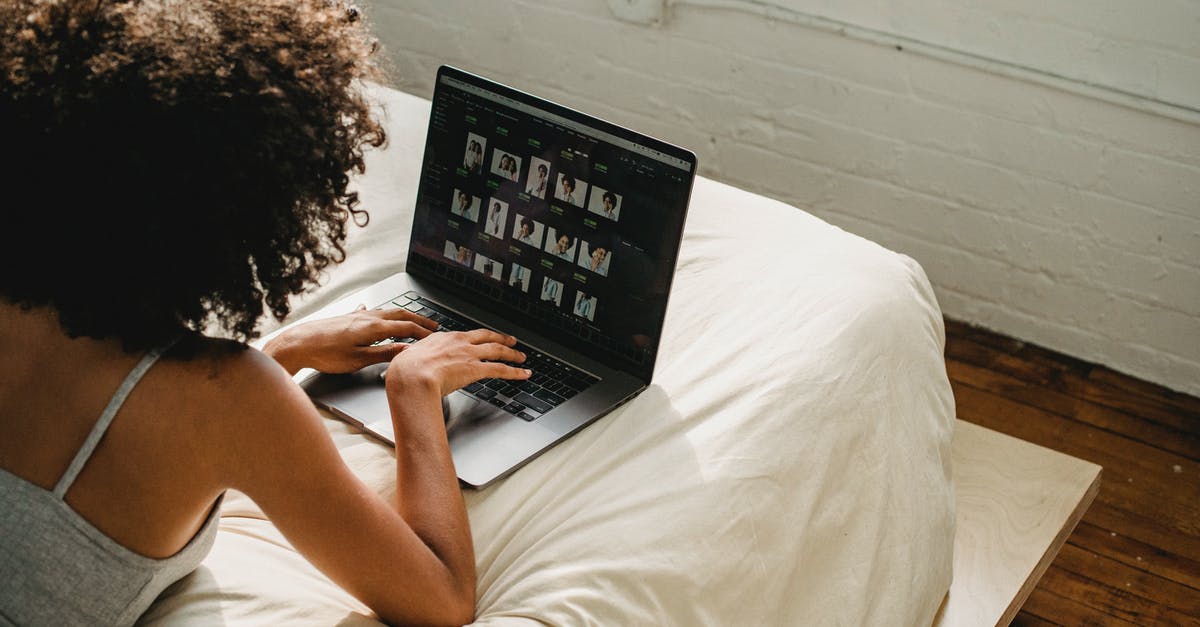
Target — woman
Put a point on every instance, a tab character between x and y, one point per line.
567	192
563	247
598	261
525	232
610	206
538	186
184	167
495	221
463	208
474	158
463	256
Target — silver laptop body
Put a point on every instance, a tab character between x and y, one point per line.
488	248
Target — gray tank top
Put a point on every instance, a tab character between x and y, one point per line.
57	569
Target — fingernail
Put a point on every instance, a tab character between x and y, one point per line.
528	371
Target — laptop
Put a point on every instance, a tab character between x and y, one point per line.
545	223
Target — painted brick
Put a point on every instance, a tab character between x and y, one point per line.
1152	181
1126	128
1039	213
1037	294
783	44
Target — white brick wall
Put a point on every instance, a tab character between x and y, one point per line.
1050	216
1151	50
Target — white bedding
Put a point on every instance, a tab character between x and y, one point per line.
790	464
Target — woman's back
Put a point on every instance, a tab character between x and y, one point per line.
56	566
183	168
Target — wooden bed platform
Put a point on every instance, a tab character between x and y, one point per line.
1016	504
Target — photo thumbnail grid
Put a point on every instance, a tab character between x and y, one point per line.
532	239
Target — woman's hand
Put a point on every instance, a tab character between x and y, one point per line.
347	342
452	359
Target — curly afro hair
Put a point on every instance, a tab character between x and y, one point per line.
179	164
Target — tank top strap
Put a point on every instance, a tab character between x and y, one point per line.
106	418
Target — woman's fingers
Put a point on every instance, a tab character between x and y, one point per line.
499	370
406	315
457	358
398	323
405	328
481	336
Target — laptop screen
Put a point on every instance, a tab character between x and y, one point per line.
559	220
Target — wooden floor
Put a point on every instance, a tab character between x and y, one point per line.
1134	559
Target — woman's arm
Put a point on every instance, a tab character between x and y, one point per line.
410	560
417	380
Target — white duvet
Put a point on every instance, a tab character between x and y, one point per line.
790	464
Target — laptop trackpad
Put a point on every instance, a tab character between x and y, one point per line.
487	441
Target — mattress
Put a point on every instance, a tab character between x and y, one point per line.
788	465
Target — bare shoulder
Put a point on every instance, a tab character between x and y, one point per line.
236	403
196	423
256	421
240	379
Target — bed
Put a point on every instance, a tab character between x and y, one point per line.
790	464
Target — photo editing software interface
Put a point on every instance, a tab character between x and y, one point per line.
557	221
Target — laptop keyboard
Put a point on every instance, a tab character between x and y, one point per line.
551	384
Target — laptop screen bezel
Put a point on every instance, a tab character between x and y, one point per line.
644	370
